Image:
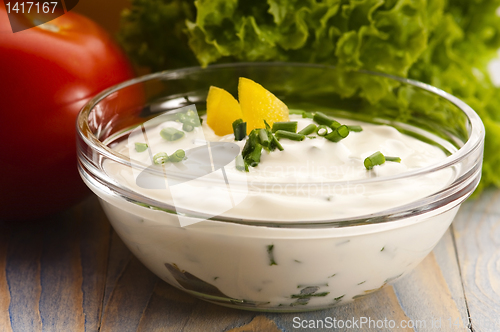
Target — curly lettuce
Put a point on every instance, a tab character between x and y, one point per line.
446	43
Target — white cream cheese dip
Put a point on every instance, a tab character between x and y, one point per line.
276	267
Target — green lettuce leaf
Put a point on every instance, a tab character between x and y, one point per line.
446	43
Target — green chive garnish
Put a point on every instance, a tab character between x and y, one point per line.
270	253
191	114
240	163
306	296
264	138
322	130
338	134
187	127
276	144
291	136
239	130
141	147
301	112
378	159
182	117
268	127
160	158
290	126
324	119
190	118
375	159
253	158
308	130
394	159
252	141
356	129
171	134
177	156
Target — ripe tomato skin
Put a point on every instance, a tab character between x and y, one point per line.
46	75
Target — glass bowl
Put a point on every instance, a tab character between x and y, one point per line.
269	250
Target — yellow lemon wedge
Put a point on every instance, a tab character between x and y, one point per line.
258	104
222	110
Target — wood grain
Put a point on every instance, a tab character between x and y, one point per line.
23	279
129	297
258	324
61	277
477	236
4	288
94	242
426	295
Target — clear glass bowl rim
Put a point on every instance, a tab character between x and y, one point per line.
475	141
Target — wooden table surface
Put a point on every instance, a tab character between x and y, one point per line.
75	274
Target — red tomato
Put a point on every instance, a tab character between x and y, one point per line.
47	74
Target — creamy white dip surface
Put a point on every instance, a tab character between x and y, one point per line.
314	179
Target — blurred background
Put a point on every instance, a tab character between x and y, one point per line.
106	13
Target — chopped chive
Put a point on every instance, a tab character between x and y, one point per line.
394	159
295	111
239	129
324	119
253	139
264	138
253	158
322	130
187	127
240	164
305	296
290	126
356	129
177	156
338	298
289	135
270	253
141	147
171	134
300	302
191	114
375	159
307	115
191	122
182	117
190	118
308	289
308	130
160	158
275	143
338	134
268	127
